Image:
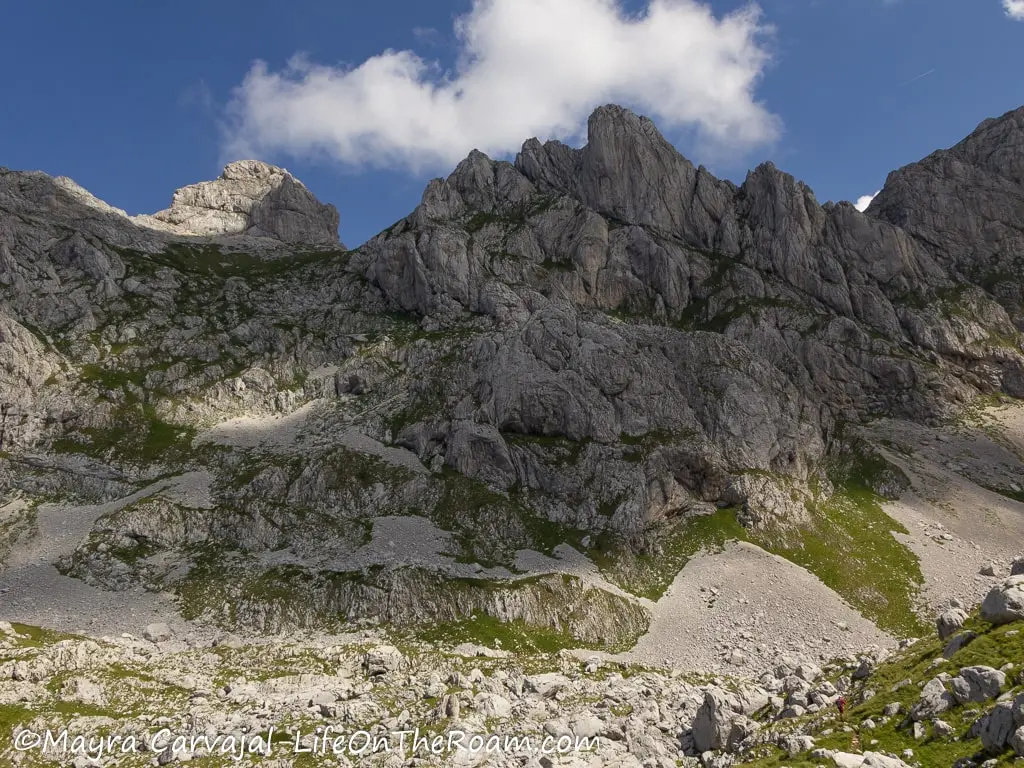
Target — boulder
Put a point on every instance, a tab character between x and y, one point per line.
977	684
950	622
935	700
867	760
796	744
547	684
878	760
957	642
718	726
808	672
382	660
157	633
941	729
996	728
84	691
492	705
1017	742
1005	602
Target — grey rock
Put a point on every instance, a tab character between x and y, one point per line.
1005	603
157	633
492	705
864	669
383	659
935	700
717	726
957	642
941	729
1017	742
878	760
250	198
950	622
977	684
547	684
448	708
996	728
84	691
926	199
795	745
602	339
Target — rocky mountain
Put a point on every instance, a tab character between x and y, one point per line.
528	404
250	198
965	206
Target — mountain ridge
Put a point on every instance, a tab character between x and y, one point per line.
553	383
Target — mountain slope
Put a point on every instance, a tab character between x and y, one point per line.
533	399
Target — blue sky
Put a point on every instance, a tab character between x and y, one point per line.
133	100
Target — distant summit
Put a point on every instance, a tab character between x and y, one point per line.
250	198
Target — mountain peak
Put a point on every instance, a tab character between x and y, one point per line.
249	198
966	203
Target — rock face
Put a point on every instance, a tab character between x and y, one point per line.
250	198
997	727
965	205
935	700
718	726
574	355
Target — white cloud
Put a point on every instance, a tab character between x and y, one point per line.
1014	9
526	68
864	201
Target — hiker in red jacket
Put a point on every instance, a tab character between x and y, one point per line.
841	703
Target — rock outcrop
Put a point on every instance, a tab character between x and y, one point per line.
250	198
1005	602
965	205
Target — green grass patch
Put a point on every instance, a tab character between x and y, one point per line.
39	637
111	378
848	543
649	574
138	436
490	526
994	647
554	450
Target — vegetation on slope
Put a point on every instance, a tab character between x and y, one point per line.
899	680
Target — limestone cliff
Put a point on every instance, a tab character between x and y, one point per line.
250	198
574	355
